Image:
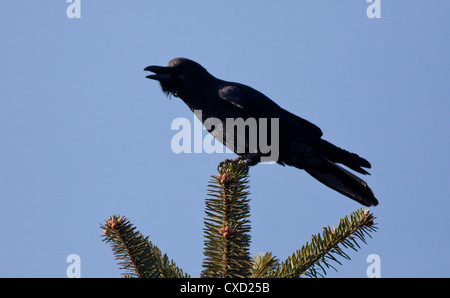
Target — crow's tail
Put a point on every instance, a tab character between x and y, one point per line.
338	155
344	182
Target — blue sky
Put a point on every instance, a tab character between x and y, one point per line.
84	135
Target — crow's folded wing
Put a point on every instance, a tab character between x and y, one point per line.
257	105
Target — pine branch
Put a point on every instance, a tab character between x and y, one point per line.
313	259
227	238
226	224
135	254
263	265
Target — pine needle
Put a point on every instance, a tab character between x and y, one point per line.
135	254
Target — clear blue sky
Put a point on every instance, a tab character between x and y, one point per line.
83	134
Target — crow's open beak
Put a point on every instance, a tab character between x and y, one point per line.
161	73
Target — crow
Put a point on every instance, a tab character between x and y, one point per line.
300	142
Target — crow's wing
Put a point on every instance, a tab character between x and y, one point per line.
293	128
257	105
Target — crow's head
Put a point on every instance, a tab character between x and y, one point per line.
181	77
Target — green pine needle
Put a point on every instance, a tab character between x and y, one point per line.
314	258
137	256
227	227
227	239
263	265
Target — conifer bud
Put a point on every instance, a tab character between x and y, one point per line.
224	178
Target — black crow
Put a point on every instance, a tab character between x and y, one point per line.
299	142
